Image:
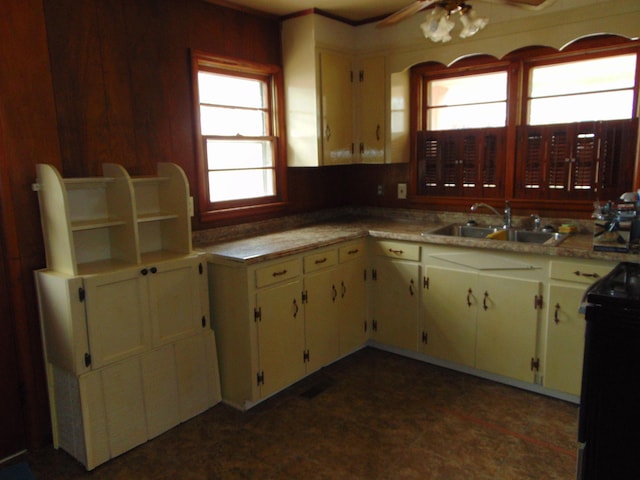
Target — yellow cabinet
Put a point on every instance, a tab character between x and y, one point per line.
449	299
352	292
565	324
396	275
336	93
280	320
371	109
123	310
280	334
487	321
507	326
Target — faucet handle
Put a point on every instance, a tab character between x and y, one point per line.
536	221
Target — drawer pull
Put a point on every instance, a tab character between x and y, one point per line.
353	252
484	301
396	252
469	293
321	260
582	274
555	314
281	272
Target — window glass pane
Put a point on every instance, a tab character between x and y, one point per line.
240	184
585	107
230	154
229	90
468	116
232	121
487	87
594	75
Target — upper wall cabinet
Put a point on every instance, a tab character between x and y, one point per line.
371	109
335	101
97	224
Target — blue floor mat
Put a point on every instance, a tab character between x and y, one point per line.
18	471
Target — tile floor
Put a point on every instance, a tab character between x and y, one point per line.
372	415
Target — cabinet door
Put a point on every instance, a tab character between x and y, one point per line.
320	317
198	383
507	326
337	108
352	315
174	299
161	400
371	109
280	336
117	316
124	405
565	339
449	305
396	303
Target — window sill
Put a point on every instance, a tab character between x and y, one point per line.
245	213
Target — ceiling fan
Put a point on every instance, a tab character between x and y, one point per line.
438	24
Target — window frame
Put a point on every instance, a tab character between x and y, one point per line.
518	65
272	75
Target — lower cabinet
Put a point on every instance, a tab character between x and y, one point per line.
129	354
566	324
396	274
281	320
485	321
106	412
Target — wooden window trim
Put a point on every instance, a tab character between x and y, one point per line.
253	207
518	64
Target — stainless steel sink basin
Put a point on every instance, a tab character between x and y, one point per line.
511	235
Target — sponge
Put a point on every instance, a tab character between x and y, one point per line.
498	235
567	228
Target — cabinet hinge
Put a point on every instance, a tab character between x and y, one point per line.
537	301
87	359
260	378
204	321
305	356
361	75
374	274
257	314
305	296
81	294
200	268
374	325
535	364
425	337
365	274
365	326
351	76
425	282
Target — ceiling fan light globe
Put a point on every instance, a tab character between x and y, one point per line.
472	24
437	26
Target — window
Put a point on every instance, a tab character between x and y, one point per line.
563	123
239	142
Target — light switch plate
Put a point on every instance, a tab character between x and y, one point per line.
402	191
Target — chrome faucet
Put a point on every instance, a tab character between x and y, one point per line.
507	212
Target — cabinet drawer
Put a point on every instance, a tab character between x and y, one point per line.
277	272
578	272
394	249
351	251
316	261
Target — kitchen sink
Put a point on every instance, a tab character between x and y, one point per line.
510	235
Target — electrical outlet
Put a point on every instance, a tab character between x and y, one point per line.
380	192
402	191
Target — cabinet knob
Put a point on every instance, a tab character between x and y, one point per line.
144	271
154	270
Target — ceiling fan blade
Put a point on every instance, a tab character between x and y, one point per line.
405	12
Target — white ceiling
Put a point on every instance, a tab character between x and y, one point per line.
354	10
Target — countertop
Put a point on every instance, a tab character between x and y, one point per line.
269	246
